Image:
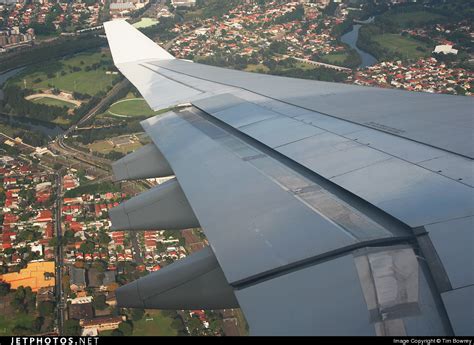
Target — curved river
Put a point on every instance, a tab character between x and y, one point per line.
351	37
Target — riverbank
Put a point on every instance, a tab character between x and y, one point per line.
48	129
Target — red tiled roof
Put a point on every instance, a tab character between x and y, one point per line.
44	216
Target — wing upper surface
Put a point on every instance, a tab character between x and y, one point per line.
293	180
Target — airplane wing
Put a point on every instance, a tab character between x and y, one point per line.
330	209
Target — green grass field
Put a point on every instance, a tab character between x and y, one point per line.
53	102
130	107
145	22
7	323
335	58
90	82
413	19
104	146
406	45
257	68
157	324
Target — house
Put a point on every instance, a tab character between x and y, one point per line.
95	278
109	278
103	323
77	279
76	200
80	311
45	294
44	216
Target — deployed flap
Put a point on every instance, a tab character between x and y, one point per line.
163	207
146	162
196	282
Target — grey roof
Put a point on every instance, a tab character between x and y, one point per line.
94	277
109	278
78	276
317	192
81	311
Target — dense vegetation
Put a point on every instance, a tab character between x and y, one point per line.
214	8
125	127
324	74
15	98
296	14
50	51
23	131
102	187
286	67
162	29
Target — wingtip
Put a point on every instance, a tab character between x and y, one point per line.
127	44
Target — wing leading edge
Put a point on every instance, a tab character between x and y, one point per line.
317	211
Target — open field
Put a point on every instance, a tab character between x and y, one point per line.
53	102
406	45
62	121
257	68
8	322
123	144
75	73
157	324
413	18
145	22
334	58
130	107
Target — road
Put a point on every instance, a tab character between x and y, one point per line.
59	258
62	149
59	145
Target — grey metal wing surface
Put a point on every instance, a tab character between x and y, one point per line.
330	209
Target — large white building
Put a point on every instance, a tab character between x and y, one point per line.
445	49
183	3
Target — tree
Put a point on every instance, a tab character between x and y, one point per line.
46	308
38	323
99	302
126	328
72	327
194	325
87	247
116	333
4	288
177	324
18	305
21	330
137	314
104	238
